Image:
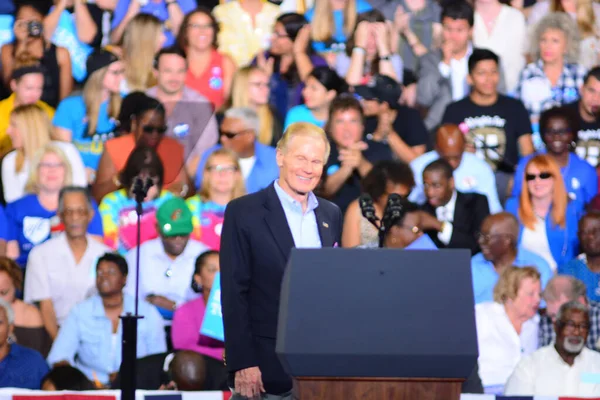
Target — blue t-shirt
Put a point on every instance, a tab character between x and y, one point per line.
578	268
3	224
159	10
22	368
301	113
71	115
31	224
339	38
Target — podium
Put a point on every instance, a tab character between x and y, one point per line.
377	323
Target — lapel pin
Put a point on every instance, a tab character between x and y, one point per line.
325	224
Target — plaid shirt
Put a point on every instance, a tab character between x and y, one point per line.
535	91
547	334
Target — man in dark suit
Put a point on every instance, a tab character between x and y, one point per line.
258	233
458	216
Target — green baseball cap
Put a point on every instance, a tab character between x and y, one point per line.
174	218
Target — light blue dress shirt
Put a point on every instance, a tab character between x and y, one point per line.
473	175
303	224
87	342
485	276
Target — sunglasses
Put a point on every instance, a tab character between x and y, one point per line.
151	129
231	135
542	176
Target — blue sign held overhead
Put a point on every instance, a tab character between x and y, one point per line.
65	36
6	29
212	325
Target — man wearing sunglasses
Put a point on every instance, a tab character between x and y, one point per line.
498	241
239	134
563	368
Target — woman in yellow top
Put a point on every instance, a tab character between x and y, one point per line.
27	82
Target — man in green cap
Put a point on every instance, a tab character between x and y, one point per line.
167	263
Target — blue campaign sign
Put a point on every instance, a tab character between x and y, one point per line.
65	36
212	325
6	31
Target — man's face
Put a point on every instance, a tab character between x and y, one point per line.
174	245
456	32
495	239
485	77
76	214
438	189
590	97
109	279
589	235
552	307
452	153
301	164
172	69
572	331
235	136
346	127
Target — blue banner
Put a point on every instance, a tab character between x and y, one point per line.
65	36
212	325
6	29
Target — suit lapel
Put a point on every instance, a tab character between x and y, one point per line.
277	222
325	228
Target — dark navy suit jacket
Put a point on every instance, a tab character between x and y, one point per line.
255	245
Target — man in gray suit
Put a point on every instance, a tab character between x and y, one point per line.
442	73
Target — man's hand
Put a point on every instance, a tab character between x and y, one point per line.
248	382
351	157
447	52
161	301
385	120
428	222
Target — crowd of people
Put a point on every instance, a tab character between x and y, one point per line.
482	115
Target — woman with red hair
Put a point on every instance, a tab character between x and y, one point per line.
547	218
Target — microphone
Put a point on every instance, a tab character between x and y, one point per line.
367	208
393	211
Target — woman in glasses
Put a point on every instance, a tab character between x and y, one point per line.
142	123
117	209
222	182
558	129
547	217
385	178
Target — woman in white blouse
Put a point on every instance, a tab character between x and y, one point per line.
29	130
502	29
507	328
586	13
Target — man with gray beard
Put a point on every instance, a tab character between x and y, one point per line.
565	367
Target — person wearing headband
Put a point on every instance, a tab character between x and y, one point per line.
26	83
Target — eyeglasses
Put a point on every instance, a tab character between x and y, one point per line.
542	176
485	238
72	212
280	35
200	26
232	135
50	165
573	326
151	129
222	168
109	272
260	84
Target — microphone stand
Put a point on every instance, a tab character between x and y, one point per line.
128	368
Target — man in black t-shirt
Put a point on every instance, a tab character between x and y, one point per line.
399	127
588	108
351	156
497	128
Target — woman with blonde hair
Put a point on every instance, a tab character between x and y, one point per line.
554	78
89	120
222	182
32	219
333	21
547	218
586	14
507	328
142	39
251	89
29	130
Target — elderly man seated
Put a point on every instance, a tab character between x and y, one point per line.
238	133
565	368
498	241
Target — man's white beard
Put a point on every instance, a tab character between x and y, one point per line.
573	348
